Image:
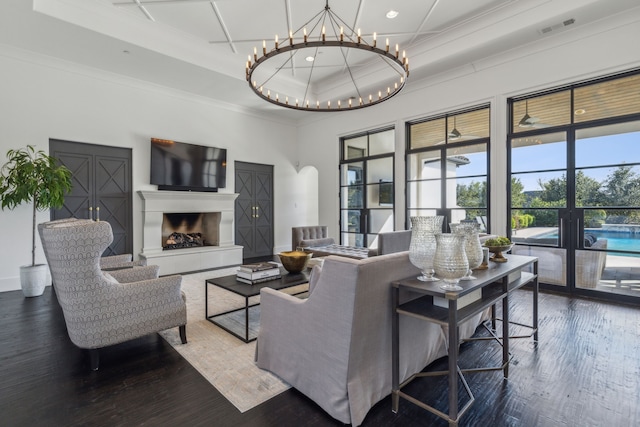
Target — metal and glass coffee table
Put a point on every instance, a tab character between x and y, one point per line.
238	321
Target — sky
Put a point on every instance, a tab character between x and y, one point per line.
599	156
591	153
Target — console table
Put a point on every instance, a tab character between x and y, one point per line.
489	287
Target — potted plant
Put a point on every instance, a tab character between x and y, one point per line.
31	176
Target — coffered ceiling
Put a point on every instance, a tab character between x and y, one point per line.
201	46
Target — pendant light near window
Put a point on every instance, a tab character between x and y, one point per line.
527	121
455	133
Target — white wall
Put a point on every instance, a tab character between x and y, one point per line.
42	98
586	52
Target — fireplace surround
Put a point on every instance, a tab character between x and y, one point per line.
157	205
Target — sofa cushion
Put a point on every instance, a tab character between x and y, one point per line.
314	276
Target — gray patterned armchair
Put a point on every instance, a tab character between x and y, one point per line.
99	309
110	262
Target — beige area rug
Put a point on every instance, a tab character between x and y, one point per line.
224	360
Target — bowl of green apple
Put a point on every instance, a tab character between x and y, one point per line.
498	245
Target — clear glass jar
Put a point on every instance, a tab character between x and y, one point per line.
450	261
472	246
422	248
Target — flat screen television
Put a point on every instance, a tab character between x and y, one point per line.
187	167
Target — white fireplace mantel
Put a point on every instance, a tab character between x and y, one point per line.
157	203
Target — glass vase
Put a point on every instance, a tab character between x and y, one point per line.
450	261
422	247
472	246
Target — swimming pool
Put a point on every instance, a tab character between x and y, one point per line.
616	240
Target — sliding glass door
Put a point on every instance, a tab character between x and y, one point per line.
574	163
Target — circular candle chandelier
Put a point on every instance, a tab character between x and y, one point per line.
327	43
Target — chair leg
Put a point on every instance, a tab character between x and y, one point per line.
95	359
183	334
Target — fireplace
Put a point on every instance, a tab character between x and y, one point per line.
199	227
189	230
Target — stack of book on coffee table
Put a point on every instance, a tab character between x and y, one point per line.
258	272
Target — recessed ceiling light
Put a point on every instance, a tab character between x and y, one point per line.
309	58
580	111
392	14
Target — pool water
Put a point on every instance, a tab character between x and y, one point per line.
616	240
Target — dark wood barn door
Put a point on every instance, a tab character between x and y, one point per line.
254	209
101	188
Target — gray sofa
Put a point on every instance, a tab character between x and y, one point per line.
313	235
394	241
99	308
335	346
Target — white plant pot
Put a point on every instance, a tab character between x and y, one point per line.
33	279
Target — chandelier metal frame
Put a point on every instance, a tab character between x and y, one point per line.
344	40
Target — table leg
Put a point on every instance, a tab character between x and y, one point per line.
206	300
453	361
505	334
246	319
535	301
395	346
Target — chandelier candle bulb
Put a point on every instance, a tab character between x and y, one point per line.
286	100
349	103
338	103
341	34
379	94
264	47
323	34
305	34
397	50
359	38
255	53
290	38
374	39
276	41
387	46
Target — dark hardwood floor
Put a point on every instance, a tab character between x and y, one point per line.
585	371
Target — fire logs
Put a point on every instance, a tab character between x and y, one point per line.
183	240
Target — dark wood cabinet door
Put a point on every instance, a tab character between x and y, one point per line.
101	188
254	209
